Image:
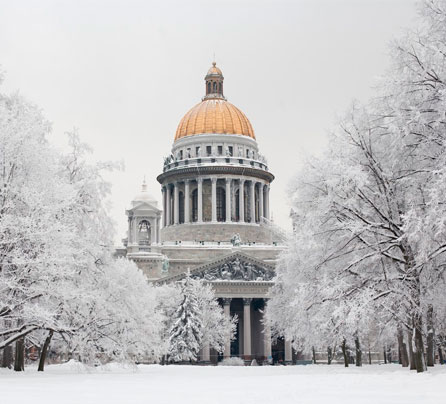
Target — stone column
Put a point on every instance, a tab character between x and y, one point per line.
168	205
187	201
214	199
135	230
247	329
200	200
157	230
163	192
260	202
206	353
288	352
228	200
267	202
227	311
241	201
176	203
252	205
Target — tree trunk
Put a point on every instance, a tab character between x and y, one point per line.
402	349
8	357
440	355
385	354
430	352
419	345
344	352
314	355
19	362
370	357
358	352
413	365
45	347
330	355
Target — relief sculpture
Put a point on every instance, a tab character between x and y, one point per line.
237	270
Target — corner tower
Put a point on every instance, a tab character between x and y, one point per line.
215	183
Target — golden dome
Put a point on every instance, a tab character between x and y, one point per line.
214	115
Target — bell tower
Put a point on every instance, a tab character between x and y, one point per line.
214	83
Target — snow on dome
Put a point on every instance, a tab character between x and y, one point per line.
144	196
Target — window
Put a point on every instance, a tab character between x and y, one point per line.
181	207
230	151
247	153
197	151
220	150
181	154
221	88
237	206
221	204
215	87
208	150
144	232
195	205
209	87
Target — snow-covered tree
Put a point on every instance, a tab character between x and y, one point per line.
186	333
369	216
57	275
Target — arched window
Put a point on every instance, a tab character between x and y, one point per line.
220	88
221	204
181	206
144	232
237	205
257	204
215	87
171	207
209	87
195	205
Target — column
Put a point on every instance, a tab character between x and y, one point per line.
252	205
206	353
214	199
187	201
227	311
157	229
247	329
267	202
241	201
288	351
168	205
228	200
135	230
176	203
200	200
260	202
163	191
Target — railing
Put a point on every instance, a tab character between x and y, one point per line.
217	160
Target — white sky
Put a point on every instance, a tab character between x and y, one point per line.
125	72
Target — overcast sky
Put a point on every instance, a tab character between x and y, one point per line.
125	72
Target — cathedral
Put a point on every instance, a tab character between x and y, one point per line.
214	220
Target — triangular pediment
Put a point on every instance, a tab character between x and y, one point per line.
233	267
144	206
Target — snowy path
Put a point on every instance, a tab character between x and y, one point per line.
65	384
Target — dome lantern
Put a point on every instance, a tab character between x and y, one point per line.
214	83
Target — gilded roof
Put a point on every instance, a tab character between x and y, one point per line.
214	116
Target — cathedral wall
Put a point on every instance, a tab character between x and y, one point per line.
219	232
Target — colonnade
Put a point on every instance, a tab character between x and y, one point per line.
171	200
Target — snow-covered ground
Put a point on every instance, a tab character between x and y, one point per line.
71	383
